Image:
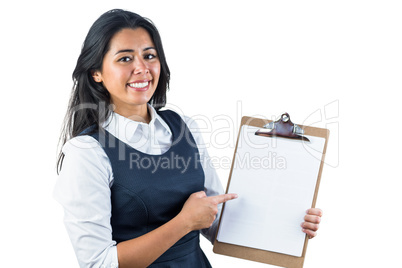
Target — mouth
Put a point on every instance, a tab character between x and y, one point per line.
139	86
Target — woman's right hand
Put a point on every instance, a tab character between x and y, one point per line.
200	211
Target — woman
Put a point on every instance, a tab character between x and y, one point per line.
132	178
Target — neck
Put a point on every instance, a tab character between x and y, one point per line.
138	113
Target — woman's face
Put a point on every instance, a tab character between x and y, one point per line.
130	70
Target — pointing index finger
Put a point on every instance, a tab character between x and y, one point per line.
223	198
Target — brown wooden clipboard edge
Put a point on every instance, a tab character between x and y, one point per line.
259	255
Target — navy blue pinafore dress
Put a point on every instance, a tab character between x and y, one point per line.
149	190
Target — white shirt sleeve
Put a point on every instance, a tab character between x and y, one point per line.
83	189
213	185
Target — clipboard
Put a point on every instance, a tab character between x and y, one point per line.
280	130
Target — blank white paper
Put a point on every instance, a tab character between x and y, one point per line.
275	179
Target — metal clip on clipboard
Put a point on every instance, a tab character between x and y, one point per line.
282	128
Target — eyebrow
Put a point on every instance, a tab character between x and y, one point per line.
132	50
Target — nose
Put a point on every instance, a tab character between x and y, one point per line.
140	66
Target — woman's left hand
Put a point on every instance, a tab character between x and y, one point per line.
311	222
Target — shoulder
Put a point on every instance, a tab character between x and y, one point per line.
82	146
191	124
85	152
85	170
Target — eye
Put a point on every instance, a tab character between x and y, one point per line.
124	59
150	56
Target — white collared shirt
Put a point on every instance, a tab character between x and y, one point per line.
83	185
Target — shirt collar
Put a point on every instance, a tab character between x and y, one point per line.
157	120
124	128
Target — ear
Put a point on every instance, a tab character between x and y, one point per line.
96	76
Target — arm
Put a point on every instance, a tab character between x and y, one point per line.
142	251
83	190
198	212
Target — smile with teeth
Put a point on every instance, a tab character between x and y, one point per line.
139	85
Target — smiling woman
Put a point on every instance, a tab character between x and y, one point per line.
117	213
134	180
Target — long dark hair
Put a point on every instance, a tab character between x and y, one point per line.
90	101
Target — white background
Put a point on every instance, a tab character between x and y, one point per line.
341	60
